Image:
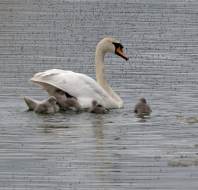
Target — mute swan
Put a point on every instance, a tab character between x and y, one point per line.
97	108
82	87
142	108
45	106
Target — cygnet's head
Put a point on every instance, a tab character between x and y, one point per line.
52	100
94	103
143	100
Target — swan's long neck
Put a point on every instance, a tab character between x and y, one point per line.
101	79
100	75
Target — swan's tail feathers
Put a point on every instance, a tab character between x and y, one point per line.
30	103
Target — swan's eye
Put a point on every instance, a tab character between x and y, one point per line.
118	45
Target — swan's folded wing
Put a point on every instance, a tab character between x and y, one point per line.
81	86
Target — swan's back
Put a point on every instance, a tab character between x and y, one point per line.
81	86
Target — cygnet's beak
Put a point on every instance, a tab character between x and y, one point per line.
119	52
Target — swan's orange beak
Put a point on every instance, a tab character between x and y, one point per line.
119	51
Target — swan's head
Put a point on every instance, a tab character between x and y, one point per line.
113	46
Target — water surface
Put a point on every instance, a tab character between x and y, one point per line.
116	150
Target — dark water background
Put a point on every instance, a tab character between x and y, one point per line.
113	151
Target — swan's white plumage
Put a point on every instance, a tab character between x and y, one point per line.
81	86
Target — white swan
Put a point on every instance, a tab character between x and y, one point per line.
82	87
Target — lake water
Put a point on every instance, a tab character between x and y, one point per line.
82	151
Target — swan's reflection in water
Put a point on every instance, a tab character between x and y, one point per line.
90	148
98	127
107	169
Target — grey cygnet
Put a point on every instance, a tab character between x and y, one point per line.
45	106
142	108
97	108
